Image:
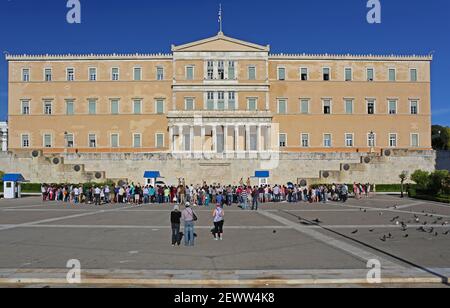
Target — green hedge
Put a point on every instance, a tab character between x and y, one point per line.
36	187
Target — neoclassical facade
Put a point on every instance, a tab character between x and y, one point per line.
218	95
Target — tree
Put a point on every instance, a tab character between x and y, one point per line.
437	181
422	179
403	176
440	137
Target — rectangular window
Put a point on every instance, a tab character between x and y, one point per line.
413	74
221	101
283	140
210	70
415	140
189	102
115	74
137	106
305	140
349	106
25	141
251	73
304	74
137	74
25	107
48	74
281	73
189	72
232	100
371	106
371	140
114	140
92	74
304	106
47	141
348	74
92	107
393	140
282	106
392	74
210	101
92	139
231	70
414	107
70	109
114	106
136	140
48	107
326	74
392	107
327	106
160	106
70	74
159	73
69	140
327	140
159	141
26	75
349	140
370	74
252	104
221	70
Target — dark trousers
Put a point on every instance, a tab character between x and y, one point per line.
176	239
218	228
97	199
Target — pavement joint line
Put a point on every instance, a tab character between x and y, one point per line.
372	209
357	252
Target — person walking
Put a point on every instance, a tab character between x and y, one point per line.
175	220
255	201
218	219
97	192
189	217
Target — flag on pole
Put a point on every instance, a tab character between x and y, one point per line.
220	17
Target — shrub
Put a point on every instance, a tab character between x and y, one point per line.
437	181
422	179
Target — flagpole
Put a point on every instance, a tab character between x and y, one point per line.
220	18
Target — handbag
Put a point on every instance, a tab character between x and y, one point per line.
194	217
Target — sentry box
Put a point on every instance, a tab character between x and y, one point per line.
12	185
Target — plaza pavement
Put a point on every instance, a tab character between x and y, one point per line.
280	245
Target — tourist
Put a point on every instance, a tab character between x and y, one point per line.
189	217
255	201
175	220
218	219
97	192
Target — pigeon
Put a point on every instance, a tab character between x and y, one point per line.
354	232
395	218
274	231
371	230
446	233
406	236
431	230
317	221
390	235
421	229
436	234
383	239
440	218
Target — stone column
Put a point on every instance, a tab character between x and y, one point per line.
181	137
214	138
172	138
203	128
225	137
191	139
4	139
247	137
236	138
259	146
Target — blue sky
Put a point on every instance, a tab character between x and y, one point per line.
319	26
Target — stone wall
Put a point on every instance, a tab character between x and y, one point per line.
315	167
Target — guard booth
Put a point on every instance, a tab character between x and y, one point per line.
262	177
12	185
151	177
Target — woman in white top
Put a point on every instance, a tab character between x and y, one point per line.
218	216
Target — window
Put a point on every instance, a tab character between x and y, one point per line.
92	106
189	103
415	140
349	140
413	74
371	106
25	141
159	73
349	106
282	106
25	107
48	107
114	140
327	140
47	141
371	140
370	74
251	73
221	101
210	101
48	74
159	141
392	74
304	106
137	74
326	74
327	106
92	139
348	74
393	140
304	74
281	73
26	75
231	100
69	140
283	140
70	74
231	70
305	140
137	106
189	72
70	110
92	74
221	70
136	140
159	106
115	75
210	70
414	107
392	106
252	103
114	106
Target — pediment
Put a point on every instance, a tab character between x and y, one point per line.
220	43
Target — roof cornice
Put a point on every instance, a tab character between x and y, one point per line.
77	57
304	56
